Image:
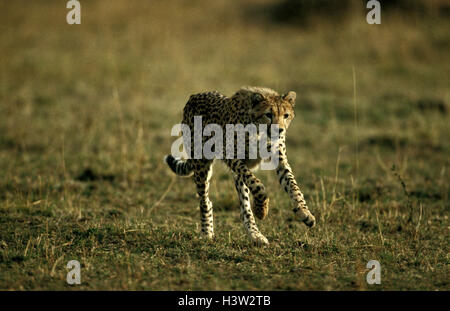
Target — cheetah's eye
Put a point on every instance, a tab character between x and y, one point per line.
268	115
286	115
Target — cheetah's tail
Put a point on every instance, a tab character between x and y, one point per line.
178	166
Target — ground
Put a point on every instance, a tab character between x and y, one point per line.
85	118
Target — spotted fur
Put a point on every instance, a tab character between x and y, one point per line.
250	105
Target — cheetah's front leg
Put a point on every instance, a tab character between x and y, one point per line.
287	181
246	211
260	198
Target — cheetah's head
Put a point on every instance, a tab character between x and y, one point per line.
271	108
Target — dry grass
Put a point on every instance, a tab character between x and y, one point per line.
85	119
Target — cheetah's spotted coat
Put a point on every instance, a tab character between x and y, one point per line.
250	105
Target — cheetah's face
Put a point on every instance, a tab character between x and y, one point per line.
274	110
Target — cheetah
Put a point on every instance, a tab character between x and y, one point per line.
249	105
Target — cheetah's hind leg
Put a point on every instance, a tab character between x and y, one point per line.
202	174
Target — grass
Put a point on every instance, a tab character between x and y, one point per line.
85	119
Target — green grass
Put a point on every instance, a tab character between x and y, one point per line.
85	119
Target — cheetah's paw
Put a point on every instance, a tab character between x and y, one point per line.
305	215
209	235
259	239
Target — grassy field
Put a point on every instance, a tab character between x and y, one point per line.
85	118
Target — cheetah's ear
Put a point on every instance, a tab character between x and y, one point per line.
290	97
257	98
